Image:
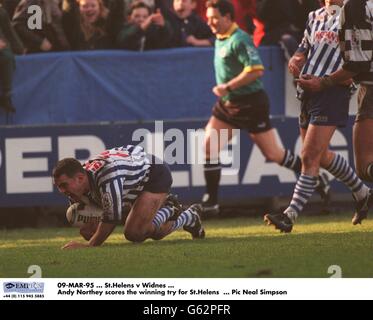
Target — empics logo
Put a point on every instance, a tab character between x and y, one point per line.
9	285
24	287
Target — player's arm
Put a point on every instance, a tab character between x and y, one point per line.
296	63
298	60
244	78
339	77
103	231
252	68
356	59
88	230
94	238
342	76
111	199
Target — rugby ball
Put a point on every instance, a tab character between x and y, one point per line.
79	214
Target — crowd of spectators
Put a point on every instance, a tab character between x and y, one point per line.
149	24
284	22
136	25
109	24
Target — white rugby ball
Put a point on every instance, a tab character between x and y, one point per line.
79	214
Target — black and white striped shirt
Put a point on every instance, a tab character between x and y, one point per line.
356	39
116	177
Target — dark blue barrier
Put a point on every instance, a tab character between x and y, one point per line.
96	86
28	154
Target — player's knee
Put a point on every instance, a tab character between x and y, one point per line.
326	159
134	236
157	237
310	158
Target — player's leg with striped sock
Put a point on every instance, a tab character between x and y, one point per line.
303	191
162	216
186	218
343	172
292	162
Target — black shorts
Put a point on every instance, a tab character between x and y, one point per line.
160	179
325	108
249	112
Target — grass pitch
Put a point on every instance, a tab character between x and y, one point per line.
237	247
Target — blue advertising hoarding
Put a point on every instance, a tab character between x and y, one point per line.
94	86
28	154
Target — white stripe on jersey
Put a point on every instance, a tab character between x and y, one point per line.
117	176
114	170
320	43
118	192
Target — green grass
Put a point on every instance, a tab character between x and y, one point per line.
237	247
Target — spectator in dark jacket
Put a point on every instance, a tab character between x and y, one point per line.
51	37
145	30
187	27
284	22
9	44
10	6
117	10
90	25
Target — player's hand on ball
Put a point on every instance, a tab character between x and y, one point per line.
74	245
80	215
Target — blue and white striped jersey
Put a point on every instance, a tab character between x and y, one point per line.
320	43
116	178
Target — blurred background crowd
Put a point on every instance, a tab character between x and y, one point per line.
136	25
143	24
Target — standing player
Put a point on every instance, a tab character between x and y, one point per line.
356	38
321	113
242	103
123	177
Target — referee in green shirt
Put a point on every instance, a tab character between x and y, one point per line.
242	102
